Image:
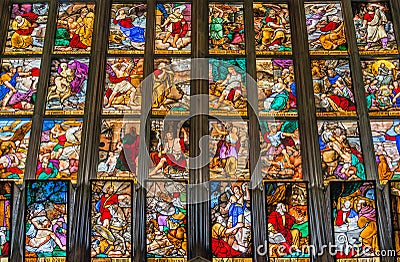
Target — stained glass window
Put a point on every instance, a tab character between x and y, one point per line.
27	28
74	28
19	80
272	28
374	28
127	28
171	86
276	87
67	88
6	195
119	148
226	29
354	217
123	85
14	136
46	220
325	28
227	91
230	220
340	148
59	149
288	224
111	220
166	220
173	28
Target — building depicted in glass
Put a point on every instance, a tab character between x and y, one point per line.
224	131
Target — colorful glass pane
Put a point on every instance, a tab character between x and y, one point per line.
14	139
272	28
287	239
6	190
231	235
59	149
385	134
111	221
171	86
395	202
27	28
276	87
67	87
354	220
333	88
374	28
19	79
325	28
382	86
226	29
123	85
74	28
46	220
166	216
340	148
119	148
127	29
169	149
227	86
229	145
173	28
280	150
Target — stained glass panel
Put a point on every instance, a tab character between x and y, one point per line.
340	148
229	145
395	202
325	28
166	216
74	28
382	86
14	139
59	149
18	83
46	220
27	28
173	28
123	85
111	221
119	148
227	87
6	190
288	238
355	222
276	87
127	29
386	138
171	86
67	88
280	150
226	29
231	221
333	88
272	27
374	28
169	149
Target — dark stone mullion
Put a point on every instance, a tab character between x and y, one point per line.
18	246
364	126
259	228
81	231
143	159
320	223
198	190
